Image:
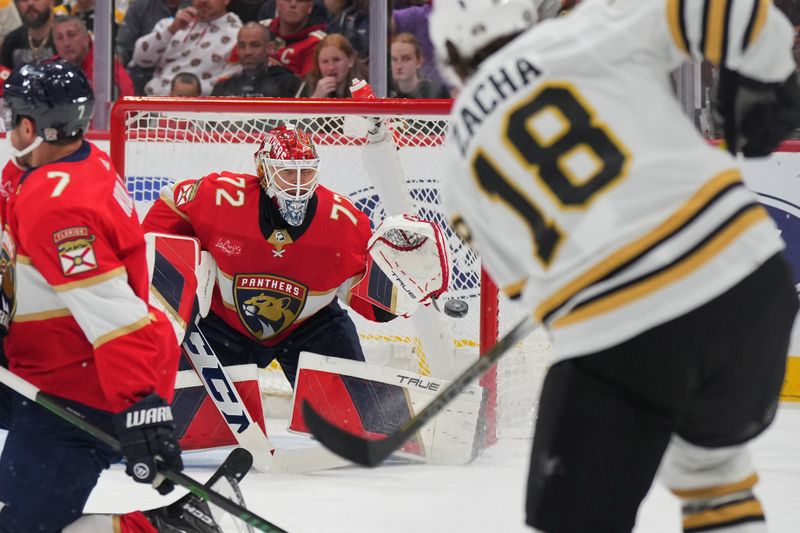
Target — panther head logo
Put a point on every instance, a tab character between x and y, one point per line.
272	313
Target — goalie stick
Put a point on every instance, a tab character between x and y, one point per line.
371	452
52	404
248	434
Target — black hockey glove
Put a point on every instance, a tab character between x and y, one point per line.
146	432
756	116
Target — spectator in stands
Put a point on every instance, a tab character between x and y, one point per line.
268	10
247	10
31	41
300	33
414	20
407	80
140	19
185	84
351	19
9	18
199	39
260	75
83	9
335	65
73	43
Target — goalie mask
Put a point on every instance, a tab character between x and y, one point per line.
287	164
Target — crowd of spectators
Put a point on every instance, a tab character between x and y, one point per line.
245	48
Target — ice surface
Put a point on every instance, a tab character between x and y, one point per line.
486	495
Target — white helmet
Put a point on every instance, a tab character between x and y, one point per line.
287	164
470	25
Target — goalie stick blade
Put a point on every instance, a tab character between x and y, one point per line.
365	452
370	452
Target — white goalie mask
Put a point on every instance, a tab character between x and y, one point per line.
287	163
470	25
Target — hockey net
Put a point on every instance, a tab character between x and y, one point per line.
155	141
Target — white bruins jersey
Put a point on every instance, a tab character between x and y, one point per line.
585	188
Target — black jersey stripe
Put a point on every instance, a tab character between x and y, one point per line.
628	255
714	243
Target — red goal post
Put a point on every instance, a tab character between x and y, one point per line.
156	140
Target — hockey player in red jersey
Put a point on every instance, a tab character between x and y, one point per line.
81	328
286	248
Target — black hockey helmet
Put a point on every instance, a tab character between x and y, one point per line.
56	95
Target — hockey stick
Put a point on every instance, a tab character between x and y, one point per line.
226	398
248	434
369	452
52	404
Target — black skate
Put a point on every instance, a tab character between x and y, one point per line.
190	514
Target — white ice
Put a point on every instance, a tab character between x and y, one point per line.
486	495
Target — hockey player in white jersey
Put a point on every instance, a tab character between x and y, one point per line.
593	200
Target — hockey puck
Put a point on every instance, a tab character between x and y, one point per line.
456	308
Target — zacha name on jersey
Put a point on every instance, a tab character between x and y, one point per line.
485	95
153	415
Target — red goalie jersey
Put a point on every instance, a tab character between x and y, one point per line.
270	278
83	329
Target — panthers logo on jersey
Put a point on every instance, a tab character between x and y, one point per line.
267	305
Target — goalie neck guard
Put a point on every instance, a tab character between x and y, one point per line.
287	163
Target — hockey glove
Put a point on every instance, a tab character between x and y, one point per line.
147	433
756	116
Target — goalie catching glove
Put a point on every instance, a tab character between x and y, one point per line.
407	265
146	433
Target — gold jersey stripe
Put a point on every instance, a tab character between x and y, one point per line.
115	334
706	493
42	315
715	30
514	290
679	218
723	515
679	270
88	282
674	18
760	20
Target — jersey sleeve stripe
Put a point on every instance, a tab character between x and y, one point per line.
707	493
88	282
43	315
757	20
677	24
626	255
682	267
716	17
115	334
515	289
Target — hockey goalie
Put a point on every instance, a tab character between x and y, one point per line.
286	250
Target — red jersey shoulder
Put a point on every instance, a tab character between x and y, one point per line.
218	189
84	184
340	214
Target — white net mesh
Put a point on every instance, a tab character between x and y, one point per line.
163	146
